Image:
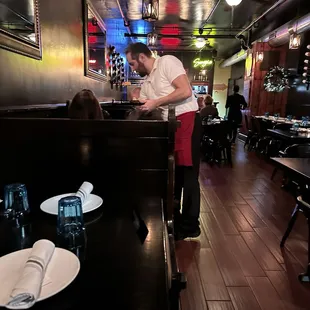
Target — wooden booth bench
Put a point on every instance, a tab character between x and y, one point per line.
131	165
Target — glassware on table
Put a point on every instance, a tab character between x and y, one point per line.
16	206
296	126
289	117
70	223
267	114
276	116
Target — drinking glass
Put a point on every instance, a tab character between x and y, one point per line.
267	114
16	206
276	116
289	117
70	223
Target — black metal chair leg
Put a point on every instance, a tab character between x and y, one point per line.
305	277
290	225
275	170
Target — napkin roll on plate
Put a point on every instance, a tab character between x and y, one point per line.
84	191
27	289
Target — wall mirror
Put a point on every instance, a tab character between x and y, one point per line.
20	27
94	44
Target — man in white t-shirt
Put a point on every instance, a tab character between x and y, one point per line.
166	83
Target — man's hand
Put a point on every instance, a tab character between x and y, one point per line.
149	104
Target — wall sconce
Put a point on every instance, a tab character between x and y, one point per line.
150	10
151	39
295	41
259	56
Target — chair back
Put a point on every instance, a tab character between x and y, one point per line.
298	151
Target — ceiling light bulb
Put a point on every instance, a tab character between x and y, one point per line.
306	61
233	2
308	54
200	42
304	74
304	81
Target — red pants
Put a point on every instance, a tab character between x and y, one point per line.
183	139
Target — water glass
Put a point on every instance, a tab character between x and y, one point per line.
289	117
276	116
296	126
267	114
16	206
70	223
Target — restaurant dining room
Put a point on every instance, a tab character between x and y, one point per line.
155	154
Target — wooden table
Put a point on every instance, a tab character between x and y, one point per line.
116	268
290	136
300	167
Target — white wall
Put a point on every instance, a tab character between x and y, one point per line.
220	86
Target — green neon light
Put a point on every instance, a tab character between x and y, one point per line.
202	63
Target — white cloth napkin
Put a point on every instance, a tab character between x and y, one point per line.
27	289
84	191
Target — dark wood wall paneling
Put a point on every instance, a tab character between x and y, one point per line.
60	73
298	101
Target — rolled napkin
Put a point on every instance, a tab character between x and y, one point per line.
84	191
27	289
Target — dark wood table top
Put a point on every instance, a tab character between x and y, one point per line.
117	270
299	166
290	135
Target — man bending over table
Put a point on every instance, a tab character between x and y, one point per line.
166	83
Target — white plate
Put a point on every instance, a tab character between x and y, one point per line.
50	205
61	271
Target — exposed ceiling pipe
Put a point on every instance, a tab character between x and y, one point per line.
234	59
211	13
275	38
189	36
279	2
281	35
126	22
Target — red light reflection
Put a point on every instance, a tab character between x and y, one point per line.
170	41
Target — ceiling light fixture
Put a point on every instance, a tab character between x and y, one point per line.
151	39
200	42
233	2
150	10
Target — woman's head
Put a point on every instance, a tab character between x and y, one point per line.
200	102
208	100
85	106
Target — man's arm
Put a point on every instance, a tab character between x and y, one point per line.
182	91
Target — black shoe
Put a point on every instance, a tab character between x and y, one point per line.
182	234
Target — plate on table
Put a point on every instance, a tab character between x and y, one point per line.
61	271
50	205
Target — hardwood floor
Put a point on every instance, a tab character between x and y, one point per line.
237	262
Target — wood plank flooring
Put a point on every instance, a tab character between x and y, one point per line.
237	263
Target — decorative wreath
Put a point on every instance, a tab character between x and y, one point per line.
276	80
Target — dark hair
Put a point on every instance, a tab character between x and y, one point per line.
137	114
85	105
236	88
208	100
138	48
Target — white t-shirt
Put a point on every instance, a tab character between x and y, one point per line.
159	84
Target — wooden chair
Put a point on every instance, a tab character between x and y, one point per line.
303	207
